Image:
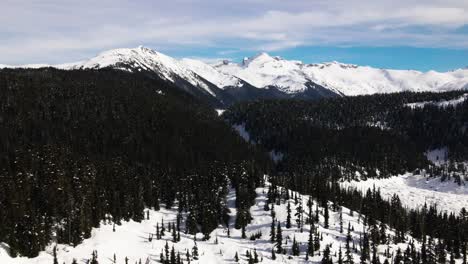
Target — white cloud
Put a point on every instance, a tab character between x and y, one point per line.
55	31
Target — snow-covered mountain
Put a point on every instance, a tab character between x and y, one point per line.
265	76
265	71
142	59
345	79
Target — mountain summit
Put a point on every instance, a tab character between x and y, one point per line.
266	76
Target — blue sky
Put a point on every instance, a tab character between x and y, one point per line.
403	34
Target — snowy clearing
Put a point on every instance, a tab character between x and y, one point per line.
415	190
131	239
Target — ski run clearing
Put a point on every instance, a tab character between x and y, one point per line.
131	239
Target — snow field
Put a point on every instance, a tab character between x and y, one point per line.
131	238
415	190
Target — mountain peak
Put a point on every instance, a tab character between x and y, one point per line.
261	57
145	49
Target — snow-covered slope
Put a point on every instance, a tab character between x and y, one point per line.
26	66
446	103
356	80
415	190
142	58
254	76
131	239
212	75
264	70
293	76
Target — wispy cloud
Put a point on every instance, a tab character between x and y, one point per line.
55	31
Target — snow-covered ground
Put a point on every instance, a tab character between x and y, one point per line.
212	75
442	104
415	190
243	132
131	239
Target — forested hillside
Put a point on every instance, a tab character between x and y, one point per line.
317	144
80	146
379	132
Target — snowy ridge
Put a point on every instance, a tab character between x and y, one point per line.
212	75
357	80
131	239
264	71
142	58
347	79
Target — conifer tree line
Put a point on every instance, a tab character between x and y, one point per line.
441	235
327	141
79	146
375	132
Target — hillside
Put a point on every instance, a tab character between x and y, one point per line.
138	240
79	145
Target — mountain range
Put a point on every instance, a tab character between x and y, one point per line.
264	76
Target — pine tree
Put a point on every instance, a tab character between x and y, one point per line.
236	257
279	239
299	215
316	213
440	251
173	256
161	257
340	256
295	247
55	255
341	220
317	242
424	250
452	259
375	258
326	259
398	257
94	257
255	258
158	235
272	231
174	234
310	242
365	248
288	217
273	255
326	215
195	252
464	248
348	254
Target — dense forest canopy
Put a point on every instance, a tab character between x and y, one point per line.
76	146
378	132
327	141
80	146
